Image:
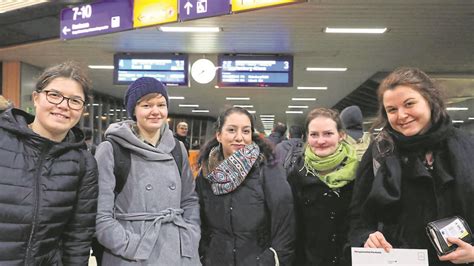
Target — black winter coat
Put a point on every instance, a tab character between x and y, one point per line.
48	196
238	228
426	196
321	218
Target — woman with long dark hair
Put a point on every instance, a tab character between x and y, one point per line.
246	204
418	169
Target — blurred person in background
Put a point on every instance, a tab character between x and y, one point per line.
182	134
352	120
278	133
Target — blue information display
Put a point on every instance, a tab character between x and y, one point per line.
193	9
105	16
255	71
172	70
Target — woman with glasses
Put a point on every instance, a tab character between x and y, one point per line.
48	181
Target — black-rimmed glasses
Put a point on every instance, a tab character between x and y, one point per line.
55	97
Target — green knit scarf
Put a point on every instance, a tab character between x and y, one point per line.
339	167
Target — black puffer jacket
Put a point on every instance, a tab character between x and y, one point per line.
238	228
48	196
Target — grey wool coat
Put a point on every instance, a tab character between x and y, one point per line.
154	220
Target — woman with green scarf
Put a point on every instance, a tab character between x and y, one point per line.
322	182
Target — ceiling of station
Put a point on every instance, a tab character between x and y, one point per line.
434	35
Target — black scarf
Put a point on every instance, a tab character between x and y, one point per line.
386	187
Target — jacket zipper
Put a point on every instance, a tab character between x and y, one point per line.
36	204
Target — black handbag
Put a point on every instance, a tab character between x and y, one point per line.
439	230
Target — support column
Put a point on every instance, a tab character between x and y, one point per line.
11	82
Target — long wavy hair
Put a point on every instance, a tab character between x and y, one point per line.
264	146
418	81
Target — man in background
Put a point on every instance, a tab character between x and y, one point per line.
181	134
352	120
278	133
293	145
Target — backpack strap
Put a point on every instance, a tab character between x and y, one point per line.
178	156
122	164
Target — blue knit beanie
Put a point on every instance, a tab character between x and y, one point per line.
141	87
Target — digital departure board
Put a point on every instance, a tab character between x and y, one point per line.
170	69
255	71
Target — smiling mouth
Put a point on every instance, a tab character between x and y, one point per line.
406	124
60	115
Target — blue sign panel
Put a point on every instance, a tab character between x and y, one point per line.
193	9
96	18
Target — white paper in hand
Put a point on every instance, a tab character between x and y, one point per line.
396	256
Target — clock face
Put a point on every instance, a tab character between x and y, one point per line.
203	71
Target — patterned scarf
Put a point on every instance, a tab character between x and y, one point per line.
231	172
335	170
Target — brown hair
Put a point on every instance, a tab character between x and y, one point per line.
68	69
418	81
324	112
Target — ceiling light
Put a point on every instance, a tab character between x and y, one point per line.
340	69
378	129
457	121
237	98
312	88
190	29
356	30
297	106
200	111
252	112
189	105
470	118
303	99
267	115
243	106
457	108
176	97
6	6
101	67
267	118
294	112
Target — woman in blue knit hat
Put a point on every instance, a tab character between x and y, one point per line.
153	219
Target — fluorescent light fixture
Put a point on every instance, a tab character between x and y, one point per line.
101	67
243	106
189	105
267	118
267	115
190	29
303	99
338	69
312	88
176	97
457	108
297	106
237	98
6	6
294	112
355	30
251	111
458	121
200	111
378	129
470	118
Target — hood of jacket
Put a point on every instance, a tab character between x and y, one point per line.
16	121
122	133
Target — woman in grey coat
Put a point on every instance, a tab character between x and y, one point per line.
154	220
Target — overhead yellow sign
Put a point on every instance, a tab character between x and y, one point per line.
241	5
153	12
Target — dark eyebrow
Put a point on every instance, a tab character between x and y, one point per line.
71	97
